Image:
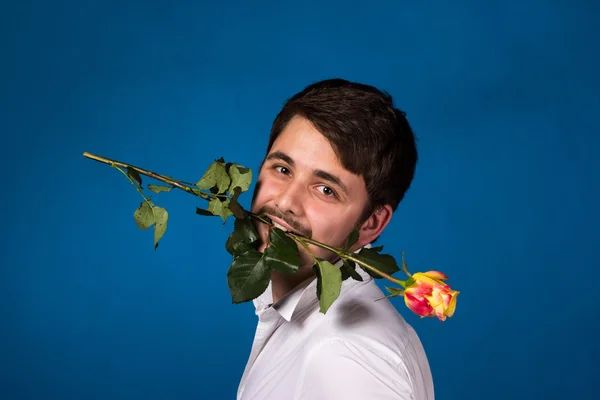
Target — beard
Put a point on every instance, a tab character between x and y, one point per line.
296	225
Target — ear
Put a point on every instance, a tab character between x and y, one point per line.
373	226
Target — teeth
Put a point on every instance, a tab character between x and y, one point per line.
280	227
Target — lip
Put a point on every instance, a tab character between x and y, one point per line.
286	226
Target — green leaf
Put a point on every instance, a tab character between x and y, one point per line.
236	245
282	254
235	207
218	207
317	272
226	211
348	270
148	215
144	218
133	174
243	237
246	229
330	278
248	276
161	217
383	262
215	176
240	177
352	239
160	188
201	211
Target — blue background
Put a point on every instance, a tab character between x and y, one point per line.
504	101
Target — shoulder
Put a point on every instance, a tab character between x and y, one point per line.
363	312
342	368
371	341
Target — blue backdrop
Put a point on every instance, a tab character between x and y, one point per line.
501	96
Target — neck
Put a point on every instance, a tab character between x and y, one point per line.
282	284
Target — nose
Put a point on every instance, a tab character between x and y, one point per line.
290	198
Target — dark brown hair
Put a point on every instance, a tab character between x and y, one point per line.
369	135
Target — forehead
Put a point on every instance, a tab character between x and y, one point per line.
306	145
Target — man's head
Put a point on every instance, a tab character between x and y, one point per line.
340	155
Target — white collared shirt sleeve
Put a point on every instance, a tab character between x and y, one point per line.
339	369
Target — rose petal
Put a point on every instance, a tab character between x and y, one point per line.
446	297
452	305
420	288
419	307
439	311
437	275
423	280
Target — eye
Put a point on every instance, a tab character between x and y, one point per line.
281	169
327	191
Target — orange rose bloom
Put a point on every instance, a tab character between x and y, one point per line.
430	296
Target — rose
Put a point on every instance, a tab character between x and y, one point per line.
427	295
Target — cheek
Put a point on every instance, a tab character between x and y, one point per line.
267	189
330	224
318	214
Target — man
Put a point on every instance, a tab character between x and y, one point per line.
340	156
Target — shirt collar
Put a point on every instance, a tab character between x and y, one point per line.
299	297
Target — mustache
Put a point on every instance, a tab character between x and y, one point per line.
296	226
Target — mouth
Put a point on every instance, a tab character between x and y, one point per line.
283	226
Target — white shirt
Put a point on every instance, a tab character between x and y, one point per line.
360	349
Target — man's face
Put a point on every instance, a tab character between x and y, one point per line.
303	186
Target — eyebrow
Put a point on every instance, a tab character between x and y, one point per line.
318	172
279	155
331	178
